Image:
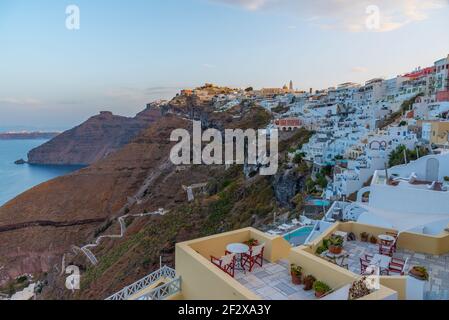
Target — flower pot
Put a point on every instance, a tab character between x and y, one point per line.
417	274
308	285
335	249
296	279
319	294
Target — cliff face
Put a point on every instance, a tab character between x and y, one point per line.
42	224
93	140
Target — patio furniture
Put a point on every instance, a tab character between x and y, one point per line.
395	235
386	240
340	259
274	232
381	261
369	257
253	257
306	221
297	222
225	263
386	250
286	227
238	249
364	264
397	266
343	261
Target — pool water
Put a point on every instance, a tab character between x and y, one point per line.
320	203
299	236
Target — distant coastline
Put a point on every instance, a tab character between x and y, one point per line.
27	135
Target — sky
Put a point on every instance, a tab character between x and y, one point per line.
128	53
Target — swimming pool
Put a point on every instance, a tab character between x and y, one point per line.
299	236
320	202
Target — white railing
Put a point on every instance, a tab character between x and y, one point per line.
164	291
129	291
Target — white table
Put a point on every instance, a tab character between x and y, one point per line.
387	238
381	261
238	249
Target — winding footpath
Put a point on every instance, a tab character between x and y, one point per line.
86	250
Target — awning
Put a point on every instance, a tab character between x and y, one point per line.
403	221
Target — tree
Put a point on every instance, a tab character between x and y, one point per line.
397	156
249	89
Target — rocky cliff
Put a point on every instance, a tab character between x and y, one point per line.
40	229
93	140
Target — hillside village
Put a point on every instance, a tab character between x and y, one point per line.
356	126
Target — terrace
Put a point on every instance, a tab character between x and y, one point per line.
437	288
203	279
429	251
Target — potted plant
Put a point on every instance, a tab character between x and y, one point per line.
296	272
321	289
252	243
309	282
336	244
373	240
419	273
364	236
359	289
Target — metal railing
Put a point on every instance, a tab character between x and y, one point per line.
129	291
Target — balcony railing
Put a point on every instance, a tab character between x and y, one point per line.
158	293
164	291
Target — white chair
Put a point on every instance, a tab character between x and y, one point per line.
297	222
285	227
306	221
413	178
274	232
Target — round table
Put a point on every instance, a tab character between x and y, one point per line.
238	249
386	238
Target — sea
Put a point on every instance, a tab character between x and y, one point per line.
16	179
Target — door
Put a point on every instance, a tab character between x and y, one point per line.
432	169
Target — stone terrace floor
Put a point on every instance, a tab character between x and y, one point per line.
438	266
273	282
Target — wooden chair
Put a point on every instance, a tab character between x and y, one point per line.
343	261
253	257
395	235
397	266
225	263
386	250
364	264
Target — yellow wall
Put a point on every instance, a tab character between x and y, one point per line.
416	242
398	284
201	280
439	134
435	245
